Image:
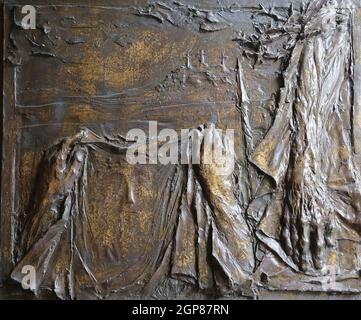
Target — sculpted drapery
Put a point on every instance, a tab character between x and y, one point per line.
194	227
308	152
78	243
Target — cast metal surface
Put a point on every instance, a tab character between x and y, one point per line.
285	75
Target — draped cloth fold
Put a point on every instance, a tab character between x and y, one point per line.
86	242
308	151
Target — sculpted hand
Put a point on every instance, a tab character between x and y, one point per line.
307	228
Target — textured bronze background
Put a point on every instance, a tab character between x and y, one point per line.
284	74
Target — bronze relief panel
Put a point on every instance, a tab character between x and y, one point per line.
195	149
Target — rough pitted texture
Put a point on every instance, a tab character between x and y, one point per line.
285	76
